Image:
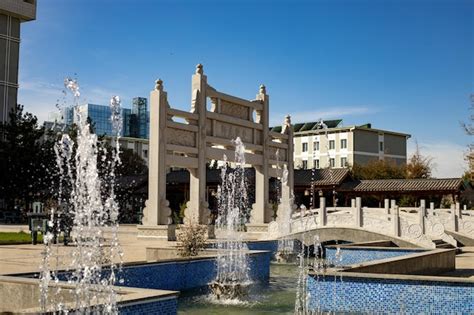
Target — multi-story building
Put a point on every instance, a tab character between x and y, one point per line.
136	121
12	14
99	116
336	146
139	126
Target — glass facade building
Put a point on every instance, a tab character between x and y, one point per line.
135	121
140	119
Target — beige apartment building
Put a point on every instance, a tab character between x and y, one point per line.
342	146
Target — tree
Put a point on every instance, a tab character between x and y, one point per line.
469	129
131	163
419	166
24	162
378	169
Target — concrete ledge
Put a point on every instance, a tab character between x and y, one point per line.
21	295
170	254
416	278
425	263
153	232
463	239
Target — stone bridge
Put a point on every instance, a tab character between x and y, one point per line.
421	226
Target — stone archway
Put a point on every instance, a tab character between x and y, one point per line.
207	135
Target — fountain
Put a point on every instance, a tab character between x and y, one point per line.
286	245
90	203
232	280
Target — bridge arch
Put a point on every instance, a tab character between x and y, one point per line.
353	235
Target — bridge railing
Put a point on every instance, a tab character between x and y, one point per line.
418	225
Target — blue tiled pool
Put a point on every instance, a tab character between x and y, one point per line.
390	296
354	255
185	275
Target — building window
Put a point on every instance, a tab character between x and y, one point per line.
380	145
316	145
305	147
343	162
316	163
332	144
332	162
343	143
305	165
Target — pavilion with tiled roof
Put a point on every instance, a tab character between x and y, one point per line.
431	185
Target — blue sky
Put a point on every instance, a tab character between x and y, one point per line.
402	65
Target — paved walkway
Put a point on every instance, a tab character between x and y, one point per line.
464	264
27	258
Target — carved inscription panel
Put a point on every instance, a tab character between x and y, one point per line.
230	131
181	137
235	110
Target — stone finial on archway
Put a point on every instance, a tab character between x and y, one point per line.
199	69
159	85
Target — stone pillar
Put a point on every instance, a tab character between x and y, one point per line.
454	221
197	206
422	215
387	206
358	213
458	211
353	203
288	172
322	211
396	221
261	210
157	211
393	203
432	208
192	207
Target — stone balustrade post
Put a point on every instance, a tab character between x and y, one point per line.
302	212
387	206
358	213
393	203
353	203
432	208
322	211
454	219
422	215
458	211
396	221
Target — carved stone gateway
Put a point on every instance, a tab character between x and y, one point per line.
207	135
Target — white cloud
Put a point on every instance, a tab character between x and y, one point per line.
334	112
448	158
40	98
